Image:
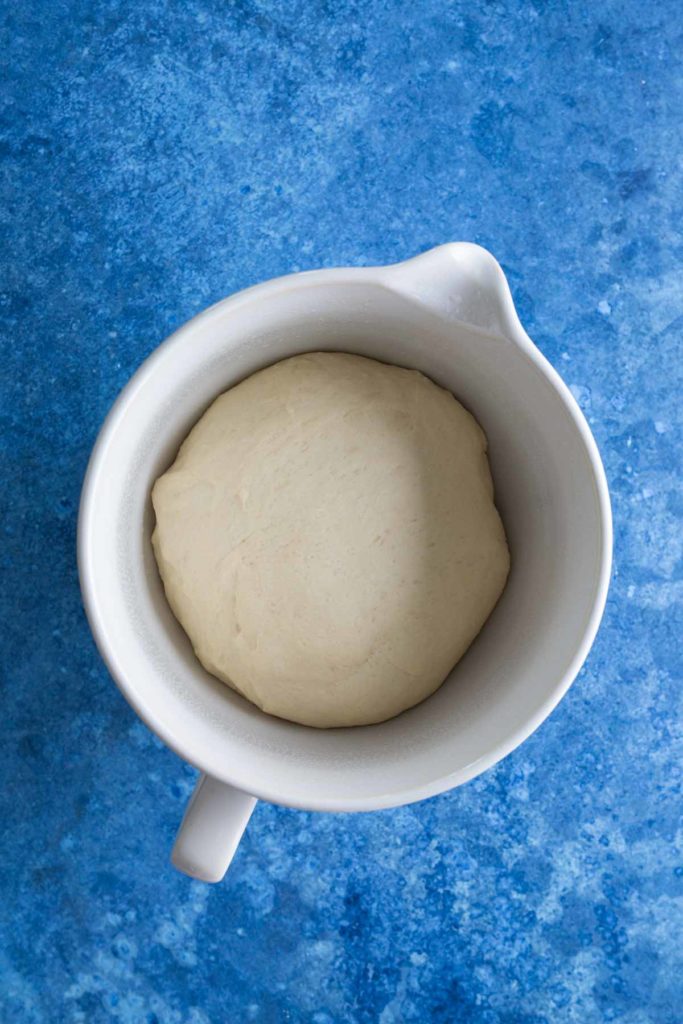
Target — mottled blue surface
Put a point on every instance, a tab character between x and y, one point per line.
158	156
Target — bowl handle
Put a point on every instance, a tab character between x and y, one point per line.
459	281
211	829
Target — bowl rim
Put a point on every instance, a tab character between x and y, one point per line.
102	635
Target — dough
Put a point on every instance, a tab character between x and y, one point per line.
328	540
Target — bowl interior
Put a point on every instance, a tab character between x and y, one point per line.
526	655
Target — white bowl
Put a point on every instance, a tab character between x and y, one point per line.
448	313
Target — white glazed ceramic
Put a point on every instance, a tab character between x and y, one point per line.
448	313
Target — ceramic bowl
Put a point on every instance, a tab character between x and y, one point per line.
448	313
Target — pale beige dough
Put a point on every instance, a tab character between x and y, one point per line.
327	538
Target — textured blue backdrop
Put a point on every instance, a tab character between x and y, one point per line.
156	156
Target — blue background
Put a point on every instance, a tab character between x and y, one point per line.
157	156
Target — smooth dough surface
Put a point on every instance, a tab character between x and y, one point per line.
328	540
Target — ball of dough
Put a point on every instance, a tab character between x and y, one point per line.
328	540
